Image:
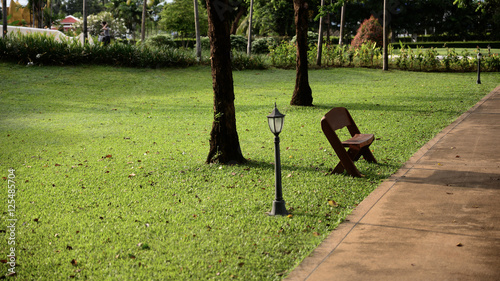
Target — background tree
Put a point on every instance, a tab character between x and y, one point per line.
302	95
370	30
4	18
71	7
143	20
178	16
117	26
320	36
197	30
130	11
224	142
385	55
250	17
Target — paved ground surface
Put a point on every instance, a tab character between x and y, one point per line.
437	218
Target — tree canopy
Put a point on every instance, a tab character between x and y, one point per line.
178	16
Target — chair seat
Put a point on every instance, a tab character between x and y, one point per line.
359	140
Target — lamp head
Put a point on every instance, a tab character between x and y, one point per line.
276	120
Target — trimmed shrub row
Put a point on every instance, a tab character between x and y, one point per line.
369	55
37	49
158	52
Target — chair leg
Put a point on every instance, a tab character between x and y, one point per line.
368	155
354	154
339	169
348	166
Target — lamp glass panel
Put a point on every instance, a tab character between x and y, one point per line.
272	127
279	124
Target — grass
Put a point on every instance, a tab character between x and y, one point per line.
111	182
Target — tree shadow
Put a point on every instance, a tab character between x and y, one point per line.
458	179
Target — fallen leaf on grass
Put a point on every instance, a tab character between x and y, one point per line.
332	203
316	234
131	175
74	262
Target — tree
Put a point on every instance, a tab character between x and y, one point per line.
342	21
224	142
370	30
143	22
249	43
302	95
385	65
320	37
84	21
4	18
197	30
71	7
178	16
116	25
130	11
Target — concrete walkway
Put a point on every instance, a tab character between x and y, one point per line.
437	218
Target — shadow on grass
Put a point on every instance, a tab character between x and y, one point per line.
372	174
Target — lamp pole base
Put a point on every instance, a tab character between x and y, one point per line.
278	209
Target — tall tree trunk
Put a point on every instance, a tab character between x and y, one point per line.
342	23
249	43
84	21
143	23
302	95
224	142
4	18
197	29
385	65
328	25
320	38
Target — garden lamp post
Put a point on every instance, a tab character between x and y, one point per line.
479	56
276	120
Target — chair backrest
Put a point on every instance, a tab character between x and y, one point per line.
338	118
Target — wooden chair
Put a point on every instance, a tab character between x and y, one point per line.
358	144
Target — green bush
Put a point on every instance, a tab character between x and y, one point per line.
284	55
205	43
262	45
444	44
37	49
312	38
239	43
242	61
161	41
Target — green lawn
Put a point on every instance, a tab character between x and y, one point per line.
111	182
